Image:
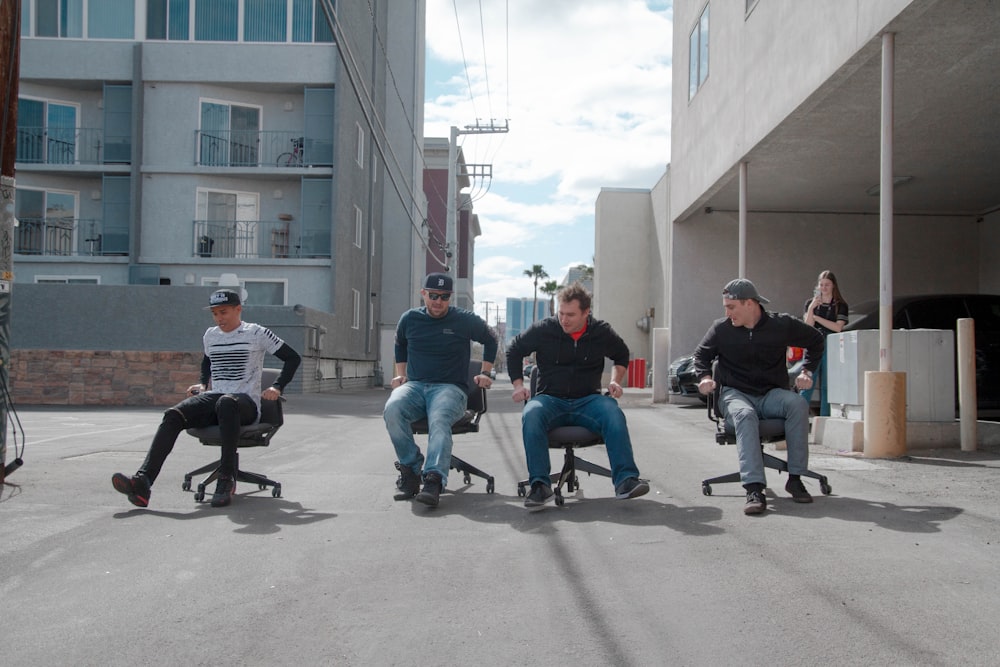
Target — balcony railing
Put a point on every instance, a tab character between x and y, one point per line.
67	237
55	145
256	239
246	148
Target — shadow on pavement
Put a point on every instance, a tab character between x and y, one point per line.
254	515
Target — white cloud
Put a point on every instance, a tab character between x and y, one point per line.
585	85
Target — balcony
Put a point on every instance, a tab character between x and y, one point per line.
71	146
67	237
256	239
245	148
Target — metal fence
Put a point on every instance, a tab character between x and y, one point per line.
67	237
251	148
85	145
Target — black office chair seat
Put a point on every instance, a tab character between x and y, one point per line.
771	430
475	408
251	435
567	438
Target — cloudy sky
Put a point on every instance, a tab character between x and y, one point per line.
585	87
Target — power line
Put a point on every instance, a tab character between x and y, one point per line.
347	57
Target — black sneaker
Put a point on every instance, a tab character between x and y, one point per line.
795	487
431	491
756	502
633	487
540	495
136	487
408	482
224	490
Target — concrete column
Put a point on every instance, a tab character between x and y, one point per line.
661	364
885	414
967	403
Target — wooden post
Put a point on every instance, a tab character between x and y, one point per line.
10	47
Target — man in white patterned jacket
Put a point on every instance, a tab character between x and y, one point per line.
228	394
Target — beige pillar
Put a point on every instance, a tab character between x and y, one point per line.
885	414
967	407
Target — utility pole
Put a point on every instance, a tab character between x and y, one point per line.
10	49
451	226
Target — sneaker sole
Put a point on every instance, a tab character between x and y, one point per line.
123	485
430	501
802	499
640	489
755	509
533	506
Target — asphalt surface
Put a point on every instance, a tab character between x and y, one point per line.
899	566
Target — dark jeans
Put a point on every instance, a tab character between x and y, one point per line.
228	411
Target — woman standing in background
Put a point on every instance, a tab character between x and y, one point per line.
827	311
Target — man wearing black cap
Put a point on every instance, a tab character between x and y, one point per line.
750	345
433	347
228	394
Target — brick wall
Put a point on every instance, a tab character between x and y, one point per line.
82	377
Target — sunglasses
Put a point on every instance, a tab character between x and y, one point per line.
434	297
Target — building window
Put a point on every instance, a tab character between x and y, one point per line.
698	54
360	158
226	224
47	131
46	222
167	19
357	309
67	280
358	229
229	135
277	21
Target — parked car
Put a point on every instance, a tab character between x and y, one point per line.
682	379
942	311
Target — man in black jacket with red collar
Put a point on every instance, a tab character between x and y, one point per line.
750	345
569	352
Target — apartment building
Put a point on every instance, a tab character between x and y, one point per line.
269	144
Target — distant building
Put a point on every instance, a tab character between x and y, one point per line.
577	274
519	315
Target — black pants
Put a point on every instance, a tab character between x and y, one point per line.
229	411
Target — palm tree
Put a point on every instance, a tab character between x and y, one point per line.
537	273
550	288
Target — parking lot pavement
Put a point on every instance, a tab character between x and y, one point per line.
897	566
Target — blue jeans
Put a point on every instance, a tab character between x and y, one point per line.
443	404
595	412
819	378
745	411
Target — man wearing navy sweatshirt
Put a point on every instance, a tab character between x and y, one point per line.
432	351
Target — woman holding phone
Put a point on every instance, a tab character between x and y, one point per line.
827	311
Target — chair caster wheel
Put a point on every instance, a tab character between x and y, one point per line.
261	487
467	479
489	485
825	488
521	492
199	495
706	489
276	491
186	485
560	501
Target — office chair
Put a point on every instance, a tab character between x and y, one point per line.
251	435
567	438
771	430
475	408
